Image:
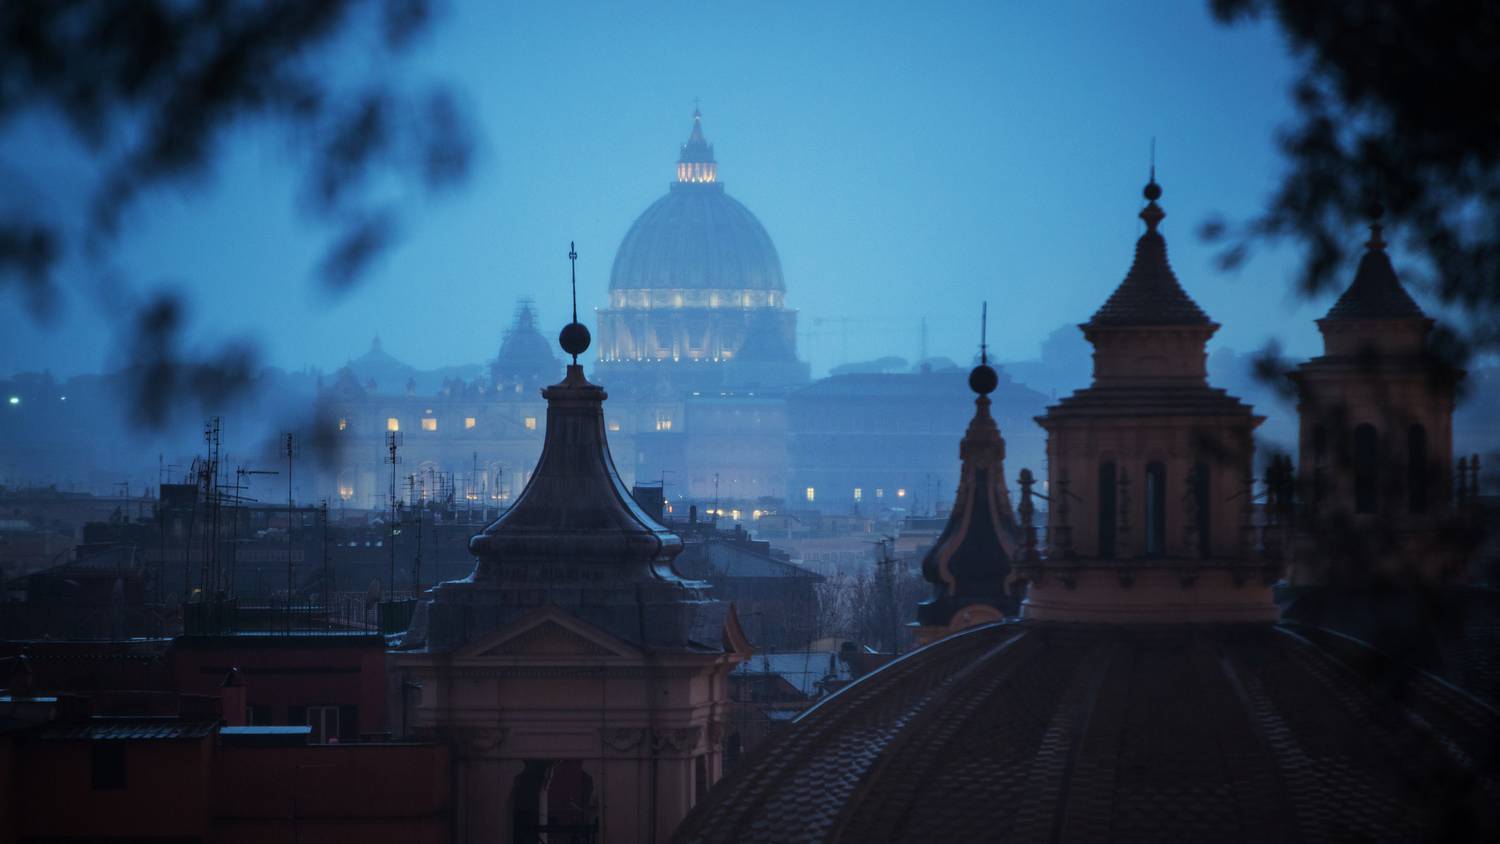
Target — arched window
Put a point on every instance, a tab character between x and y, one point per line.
1416	469
1156	509
1366	469
1202	481
1107	506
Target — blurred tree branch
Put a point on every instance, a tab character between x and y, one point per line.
153	89
1397	103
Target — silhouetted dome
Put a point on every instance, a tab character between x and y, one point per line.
697	237
525	354
1060	732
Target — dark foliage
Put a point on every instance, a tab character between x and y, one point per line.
154	89
1398	104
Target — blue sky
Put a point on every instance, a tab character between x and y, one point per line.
908	159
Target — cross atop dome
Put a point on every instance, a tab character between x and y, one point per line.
696	162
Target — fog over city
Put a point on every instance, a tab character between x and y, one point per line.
650	422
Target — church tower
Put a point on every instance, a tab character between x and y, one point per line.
1150	467
970	564
581	682
1376	436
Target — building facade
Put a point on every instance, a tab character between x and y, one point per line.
581	682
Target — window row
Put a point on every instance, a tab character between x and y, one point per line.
430	423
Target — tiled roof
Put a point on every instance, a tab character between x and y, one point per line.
130	729
1037	732
1150	294
1376	292
1159	400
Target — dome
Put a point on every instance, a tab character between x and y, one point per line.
1020	731
697	237
525	355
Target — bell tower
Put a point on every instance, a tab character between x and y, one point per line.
1149	467
1376	436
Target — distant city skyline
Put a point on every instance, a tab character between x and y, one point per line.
908	163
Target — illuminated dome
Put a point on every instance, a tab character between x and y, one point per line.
697	243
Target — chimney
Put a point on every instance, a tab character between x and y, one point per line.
233	697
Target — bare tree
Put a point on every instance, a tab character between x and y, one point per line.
156	89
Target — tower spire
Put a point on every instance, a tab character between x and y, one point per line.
984	329
982	378
574	338
1152	213
969	564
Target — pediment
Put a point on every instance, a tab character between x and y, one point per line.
549	634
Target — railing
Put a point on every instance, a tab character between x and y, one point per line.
347	615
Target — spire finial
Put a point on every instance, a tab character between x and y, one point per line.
1152	213
1376	242
982	378
573	271
984	332
574	338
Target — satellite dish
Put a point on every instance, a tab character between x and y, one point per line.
372	594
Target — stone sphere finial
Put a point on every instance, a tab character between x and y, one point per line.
983	380
574	339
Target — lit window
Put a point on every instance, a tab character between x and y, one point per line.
531	423
901	493
393	424
468	422
859	494
429	424
663	422
346	492
343	423
811	494
879	492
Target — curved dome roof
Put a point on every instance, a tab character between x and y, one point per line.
697	236
1042	732
524	354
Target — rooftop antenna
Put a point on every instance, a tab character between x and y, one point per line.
392	447
290	449
1153	158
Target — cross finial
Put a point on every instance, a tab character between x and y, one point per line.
574	338
573	262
